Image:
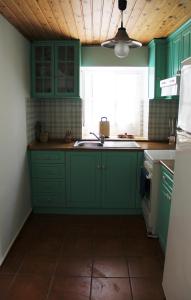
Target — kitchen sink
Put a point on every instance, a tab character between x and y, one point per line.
107	144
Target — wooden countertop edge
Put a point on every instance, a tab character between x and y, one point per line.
169	164
56	145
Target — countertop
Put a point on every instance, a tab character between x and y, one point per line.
169	164
60	145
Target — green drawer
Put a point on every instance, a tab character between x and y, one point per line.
48	157
49	200
167	179
48	171
48	186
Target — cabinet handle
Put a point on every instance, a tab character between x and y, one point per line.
98	167
103	167
164	177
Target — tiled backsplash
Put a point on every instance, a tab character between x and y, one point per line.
56	116
160	111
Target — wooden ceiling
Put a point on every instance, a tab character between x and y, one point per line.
93	21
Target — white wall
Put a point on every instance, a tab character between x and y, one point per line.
97	56
14	88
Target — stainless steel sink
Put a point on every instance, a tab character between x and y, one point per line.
107	144
88	144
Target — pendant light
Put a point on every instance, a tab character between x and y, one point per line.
121	43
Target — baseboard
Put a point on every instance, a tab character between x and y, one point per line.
18	231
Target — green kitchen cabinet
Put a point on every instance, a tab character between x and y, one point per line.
55	69
157	66
119	179
48	181
86	181
102	179
186	43
83	179
166	186
176	52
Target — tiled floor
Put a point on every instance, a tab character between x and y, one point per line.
81	258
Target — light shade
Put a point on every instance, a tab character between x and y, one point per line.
121	43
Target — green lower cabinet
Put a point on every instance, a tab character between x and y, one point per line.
164	206
98	182
83	179
119	179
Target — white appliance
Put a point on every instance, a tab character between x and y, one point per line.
151	196
177	269
170	86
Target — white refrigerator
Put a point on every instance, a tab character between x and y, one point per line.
177	269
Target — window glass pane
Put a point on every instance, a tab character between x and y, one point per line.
43	70
70	69
61	86
61	53
62	69
39	85
70	53
47	85
47	53
38	53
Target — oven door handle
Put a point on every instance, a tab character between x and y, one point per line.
149	176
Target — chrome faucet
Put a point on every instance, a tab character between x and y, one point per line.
101	138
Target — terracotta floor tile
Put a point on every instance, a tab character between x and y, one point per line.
30	287
74	266
108	247
40	265
145	266
141	247
70	288
110	267
78	246
147	289
11	264
111	289
5	282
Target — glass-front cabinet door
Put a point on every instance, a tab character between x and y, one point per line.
43	70
55	69
67	69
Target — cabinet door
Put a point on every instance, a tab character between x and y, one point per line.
83	179
164	213
67	68
42	69
176	52
169	60
119	179
186	43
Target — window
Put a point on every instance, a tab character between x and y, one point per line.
120	94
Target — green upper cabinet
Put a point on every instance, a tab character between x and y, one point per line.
186	43
55	69
176	54
178	48
157	66
119	171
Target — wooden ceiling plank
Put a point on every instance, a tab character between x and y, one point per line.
151	20
22	4
135	15
50	18
19	14
69	18
59	18
179	14
97	19
115	21
87	14
9	15
108	8
78	13
35	8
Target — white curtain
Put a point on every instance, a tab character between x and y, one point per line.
120	94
